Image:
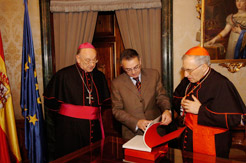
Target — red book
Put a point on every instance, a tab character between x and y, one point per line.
153	155
137	159
145	146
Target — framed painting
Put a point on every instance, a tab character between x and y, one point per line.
224	31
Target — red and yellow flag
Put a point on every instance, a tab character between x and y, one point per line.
9	146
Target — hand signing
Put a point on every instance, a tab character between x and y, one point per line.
142	124
191	106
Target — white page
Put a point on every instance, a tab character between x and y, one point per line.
137	143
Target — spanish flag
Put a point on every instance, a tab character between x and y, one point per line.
9	146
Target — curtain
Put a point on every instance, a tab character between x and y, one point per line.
70	30
141	30
139	23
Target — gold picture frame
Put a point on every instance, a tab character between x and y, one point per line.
213	15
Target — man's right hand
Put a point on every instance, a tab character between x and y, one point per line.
142	124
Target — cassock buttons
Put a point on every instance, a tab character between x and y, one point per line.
185	137
184	145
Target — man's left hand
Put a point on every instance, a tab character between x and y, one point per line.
191	106
166	117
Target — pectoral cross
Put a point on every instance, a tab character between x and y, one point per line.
89	97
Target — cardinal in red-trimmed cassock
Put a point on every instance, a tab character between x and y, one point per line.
209	104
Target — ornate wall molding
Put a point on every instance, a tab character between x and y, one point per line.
233	67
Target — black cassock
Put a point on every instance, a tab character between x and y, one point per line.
221	107
67	87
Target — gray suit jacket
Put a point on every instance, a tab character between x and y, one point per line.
129	106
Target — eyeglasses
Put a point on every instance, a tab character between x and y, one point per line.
132	69
189	71
88	61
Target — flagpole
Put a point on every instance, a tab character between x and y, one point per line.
202	22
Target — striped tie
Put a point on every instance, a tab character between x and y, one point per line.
138	84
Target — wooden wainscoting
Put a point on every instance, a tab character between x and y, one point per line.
21	138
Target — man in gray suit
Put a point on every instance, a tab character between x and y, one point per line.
138	96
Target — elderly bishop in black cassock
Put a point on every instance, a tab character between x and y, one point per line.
76	92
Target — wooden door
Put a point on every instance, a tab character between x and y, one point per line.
108	43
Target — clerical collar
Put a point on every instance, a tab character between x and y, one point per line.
197	83
205	75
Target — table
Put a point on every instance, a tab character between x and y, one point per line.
110	151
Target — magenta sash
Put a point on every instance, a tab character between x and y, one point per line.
82	112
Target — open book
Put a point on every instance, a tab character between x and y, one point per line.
151	137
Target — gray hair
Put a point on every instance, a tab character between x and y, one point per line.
199	59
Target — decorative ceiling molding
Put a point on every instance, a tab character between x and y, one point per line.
101	5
